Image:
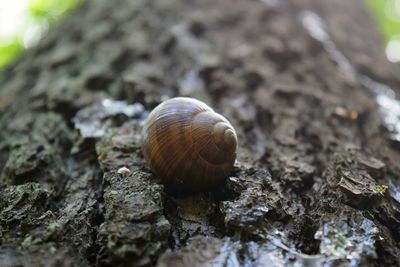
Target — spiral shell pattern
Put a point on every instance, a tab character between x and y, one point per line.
188	145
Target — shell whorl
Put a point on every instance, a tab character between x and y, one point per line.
188	145
212	136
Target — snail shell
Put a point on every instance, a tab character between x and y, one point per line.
187	145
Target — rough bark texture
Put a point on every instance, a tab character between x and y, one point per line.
317	176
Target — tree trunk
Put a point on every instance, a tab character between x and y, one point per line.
305	84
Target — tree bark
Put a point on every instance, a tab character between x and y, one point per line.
305	84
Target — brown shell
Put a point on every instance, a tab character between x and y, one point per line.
187	145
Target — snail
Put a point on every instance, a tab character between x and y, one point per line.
187	145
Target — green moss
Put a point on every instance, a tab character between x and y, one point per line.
381	189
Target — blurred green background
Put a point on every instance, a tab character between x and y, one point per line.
387	15
24	22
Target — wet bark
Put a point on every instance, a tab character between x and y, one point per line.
305	84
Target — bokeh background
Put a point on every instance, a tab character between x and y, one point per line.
24	22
